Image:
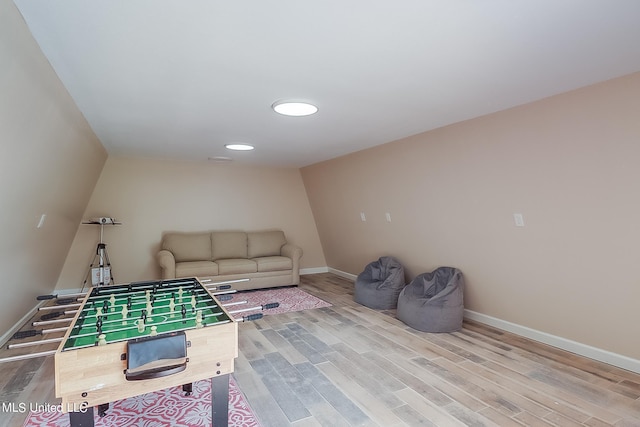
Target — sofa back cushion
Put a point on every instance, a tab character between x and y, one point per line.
188	246
228	244
265	243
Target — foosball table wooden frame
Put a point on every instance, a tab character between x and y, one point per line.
95	376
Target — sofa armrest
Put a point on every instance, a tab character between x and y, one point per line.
167	264
295	253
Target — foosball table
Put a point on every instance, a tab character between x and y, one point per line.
127	340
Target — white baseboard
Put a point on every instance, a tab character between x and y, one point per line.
605	356
343	274
314	270
318	270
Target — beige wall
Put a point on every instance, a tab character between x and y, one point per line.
154	196
50	161
568	163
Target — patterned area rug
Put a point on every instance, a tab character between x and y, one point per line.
168	407
290	299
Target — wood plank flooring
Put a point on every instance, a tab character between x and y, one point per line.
347	365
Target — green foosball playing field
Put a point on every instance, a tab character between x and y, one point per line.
119	313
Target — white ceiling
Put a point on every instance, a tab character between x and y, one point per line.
180	78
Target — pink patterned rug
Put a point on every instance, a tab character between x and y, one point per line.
168	407
290	299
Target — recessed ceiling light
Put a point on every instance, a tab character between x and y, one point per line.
239	147
294	108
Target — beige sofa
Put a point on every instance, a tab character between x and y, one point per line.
263	257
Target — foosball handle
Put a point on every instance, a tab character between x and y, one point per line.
53	315
271	305
25	334
223	287
252	317
224	297
45	297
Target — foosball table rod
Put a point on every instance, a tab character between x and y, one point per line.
51	322
73	312
230	291
32	343
56	307
61	296
215	285
231	304
31	333
27	356
226	282
258	307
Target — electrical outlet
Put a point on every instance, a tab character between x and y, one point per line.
518	219
388	216
363	217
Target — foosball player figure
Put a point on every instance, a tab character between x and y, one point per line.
199	319
149	312
172	306
141	325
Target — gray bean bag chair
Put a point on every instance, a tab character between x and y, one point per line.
379	285
433	302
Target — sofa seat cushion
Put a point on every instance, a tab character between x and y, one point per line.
196	268
236	266
273	263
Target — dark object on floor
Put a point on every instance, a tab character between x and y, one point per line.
379	285
433	302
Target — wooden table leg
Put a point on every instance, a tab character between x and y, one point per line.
220	401
82	418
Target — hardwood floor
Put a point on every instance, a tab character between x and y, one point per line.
347	365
